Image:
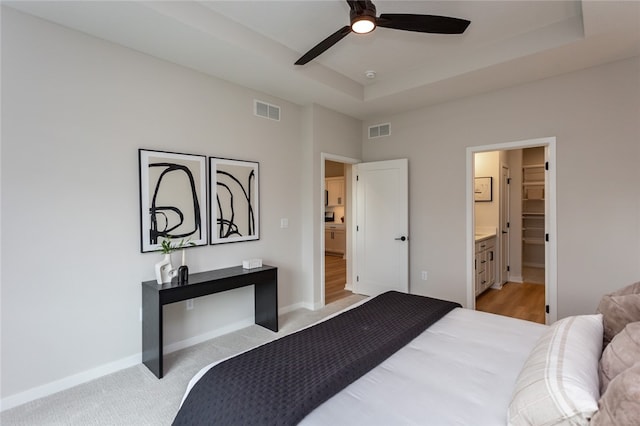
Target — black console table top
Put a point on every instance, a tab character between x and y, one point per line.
155	296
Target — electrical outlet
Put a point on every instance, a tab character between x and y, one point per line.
189	304
284	222
424	275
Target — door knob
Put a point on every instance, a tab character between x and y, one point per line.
403	238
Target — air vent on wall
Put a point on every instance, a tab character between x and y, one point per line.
265	110
379	130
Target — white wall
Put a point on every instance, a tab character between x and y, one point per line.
595	115
75	111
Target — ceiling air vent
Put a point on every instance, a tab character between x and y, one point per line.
265	110
379	130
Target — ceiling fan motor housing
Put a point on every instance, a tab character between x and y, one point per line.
367	13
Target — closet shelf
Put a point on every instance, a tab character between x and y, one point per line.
533	240
533	206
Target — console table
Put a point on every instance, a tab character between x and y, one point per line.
155	296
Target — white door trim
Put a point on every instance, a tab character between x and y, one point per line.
505	217
348	221
551	251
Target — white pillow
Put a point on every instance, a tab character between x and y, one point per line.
558	383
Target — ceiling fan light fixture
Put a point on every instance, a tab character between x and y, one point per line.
363	24
363	20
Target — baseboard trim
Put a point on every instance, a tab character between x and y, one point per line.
295	306
68	382
516	279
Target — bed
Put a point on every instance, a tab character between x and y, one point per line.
465	368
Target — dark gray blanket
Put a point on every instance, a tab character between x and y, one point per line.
280	382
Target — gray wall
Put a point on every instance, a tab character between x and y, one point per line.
595	115
331	133
75	111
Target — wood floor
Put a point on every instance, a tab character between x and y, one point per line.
335	277
517	300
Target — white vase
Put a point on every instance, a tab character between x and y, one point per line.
164	270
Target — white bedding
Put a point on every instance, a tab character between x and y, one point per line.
460	371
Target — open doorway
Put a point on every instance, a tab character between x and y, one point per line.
335	232
512	208
378	259
510	277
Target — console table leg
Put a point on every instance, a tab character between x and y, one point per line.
152	331
266	300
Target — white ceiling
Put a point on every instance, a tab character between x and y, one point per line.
255	43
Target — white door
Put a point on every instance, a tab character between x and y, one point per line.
382	226
504	225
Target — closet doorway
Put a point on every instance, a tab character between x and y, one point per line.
513	262
532	215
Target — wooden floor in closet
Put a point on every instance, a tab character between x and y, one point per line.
335	278
517	300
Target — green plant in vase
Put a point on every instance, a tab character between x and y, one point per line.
168	248
164	270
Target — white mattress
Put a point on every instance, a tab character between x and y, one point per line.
460	371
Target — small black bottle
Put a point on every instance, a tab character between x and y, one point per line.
183	274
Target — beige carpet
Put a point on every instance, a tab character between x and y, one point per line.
134	396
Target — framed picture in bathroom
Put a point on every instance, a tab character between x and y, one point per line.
483	189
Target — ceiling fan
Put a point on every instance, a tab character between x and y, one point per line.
364	20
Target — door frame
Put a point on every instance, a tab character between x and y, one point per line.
348	221
504	217
551	249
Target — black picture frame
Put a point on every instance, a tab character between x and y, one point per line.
483	189
234	197
173	203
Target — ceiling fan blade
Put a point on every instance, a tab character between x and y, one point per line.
423	23
324	45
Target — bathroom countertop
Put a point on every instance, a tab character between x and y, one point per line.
334	225
484	236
